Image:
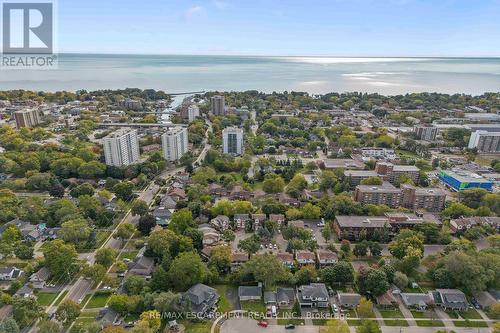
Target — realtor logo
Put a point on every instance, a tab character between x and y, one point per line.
27	28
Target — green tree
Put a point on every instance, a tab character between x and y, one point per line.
49	326
374	180
406	239
75	231
60	259
221	259
306	275
365	308
266	268
368	326
181	220
273	184
67	312
119	303
139	207
105	256
25	311
400	280
335	326
186	270
249	245
124	231
338	273
9	325
372	281
124	190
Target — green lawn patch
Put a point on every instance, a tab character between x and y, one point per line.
453	314
422	314
45	298
253	306
59	300
468	323
224	303
201	327
128	255
356	322
470	314
395	322
88	314
99	300
429	323
79	323
131	317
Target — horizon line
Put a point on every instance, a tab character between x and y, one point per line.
289	56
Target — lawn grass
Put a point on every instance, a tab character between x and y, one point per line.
470	314
393	313
128	255
468	323
80	322
357	322
89	314
59	300
201	327
429	323
421	314
224	304
45	298
396	322
253	306
453	314
99	300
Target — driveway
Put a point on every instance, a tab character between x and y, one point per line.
247	325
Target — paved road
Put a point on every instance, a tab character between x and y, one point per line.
247	325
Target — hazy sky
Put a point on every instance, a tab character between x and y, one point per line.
282	27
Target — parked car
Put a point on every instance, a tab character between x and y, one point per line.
335	308
289	326
262	323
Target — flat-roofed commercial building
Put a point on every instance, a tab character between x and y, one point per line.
356	176
460	180
121	147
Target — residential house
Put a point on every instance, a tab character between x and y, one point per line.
216	190
285	199
286	258
450	299
462	224
249	293
285	297
326	258
239	258
305	257
141	265
278	218
270	297
10	273
210	235
201	299
485	299
177	194
313	295
386	300
25	292
348	300
258	219
240	220
221	223
168	202
238	193
418	301
162	215
40	278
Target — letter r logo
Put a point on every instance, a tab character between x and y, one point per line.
27	28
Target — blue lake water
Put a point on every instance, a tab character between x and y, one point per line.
180	73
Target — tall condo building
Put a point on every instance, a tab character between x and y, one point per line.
218	105
174	143
121	147
427	133
27	118
232	140
193	112
484	141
